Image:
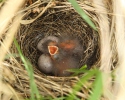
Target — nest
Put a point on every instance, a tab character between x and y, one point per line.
59	20
65	23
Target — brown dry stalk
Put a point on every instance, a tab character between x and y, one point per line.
9	37
5	46
119	92
55	86
105	39
6	15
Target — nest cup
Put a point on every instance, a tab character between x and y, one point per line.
67	23
57	23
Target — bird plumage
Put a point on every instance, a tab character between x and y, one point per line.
45	64
62	54
45	42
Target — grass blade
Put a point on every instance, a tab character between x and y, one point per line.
82	13
79	84
97	89
28	67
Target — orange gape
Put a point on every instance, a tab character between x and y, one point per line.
53	50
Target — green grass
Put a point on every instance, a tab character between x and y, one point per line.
33	88
96	86
82	13
2	1
96	89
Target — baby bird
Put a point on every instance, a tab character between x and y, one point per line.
63	64
45	42
45	64
67	56
60	55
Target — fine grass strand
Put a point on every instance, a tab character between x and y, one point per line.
82	13
28	66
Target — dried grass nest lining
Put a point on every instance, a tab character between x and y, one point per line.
59	24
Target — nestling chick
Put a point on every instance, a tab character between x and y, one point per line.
64	63
45	64
67	56
45	42
62	54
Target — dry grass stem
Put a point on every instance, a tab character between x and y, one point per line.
120	37
104	49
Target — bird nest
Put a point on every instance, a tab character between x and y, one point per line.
64	23
58	20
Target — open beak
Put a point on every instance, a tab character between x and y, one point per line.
53	50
